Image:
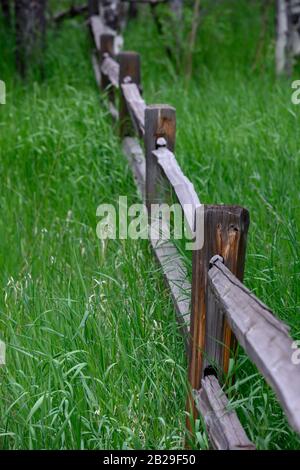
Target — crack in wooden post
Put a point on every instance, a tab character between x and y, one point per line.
225	234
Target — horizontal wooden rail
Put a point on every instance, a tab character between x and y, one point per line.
182	186
222	424
264	338
111	69
135	105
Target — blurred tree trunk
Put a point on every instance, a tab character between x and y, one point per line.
288	35
265	7
30	17
192	39
176	7
282	40
5	6
295	25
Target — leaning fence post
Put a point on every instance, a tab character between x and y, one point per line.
225	234
160	121
106	48
130	71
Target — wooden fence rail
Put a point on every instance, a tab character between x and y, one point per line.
111	69
264	338
215	310
223	427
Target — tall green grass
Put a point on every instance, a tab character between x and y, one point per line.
94	358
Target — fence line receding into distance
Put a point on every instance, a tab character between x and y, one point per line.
215	310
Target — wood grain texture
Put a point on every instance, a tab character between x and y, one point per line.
225	234
182	186
107	45
111	69
130	72
130	66
136	106
222	424
214	336
160	121
264	338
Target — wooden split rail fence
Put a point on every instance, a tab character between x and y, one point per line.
215	310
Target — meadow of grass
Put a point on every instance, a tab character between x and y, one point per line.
94	357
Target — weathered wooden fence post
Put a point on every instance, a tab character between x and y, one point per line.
225	234
160	121
106	48
130	72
